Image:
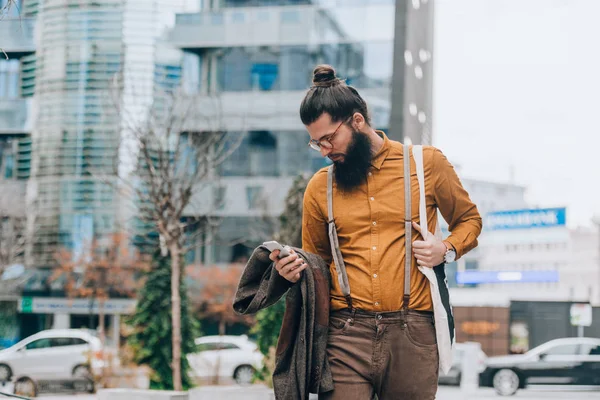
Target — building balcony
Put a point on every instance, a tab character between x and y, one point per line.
289	25
256	196
18	38
15	116
269	110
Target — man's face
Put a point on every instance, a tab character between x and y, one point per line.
350	149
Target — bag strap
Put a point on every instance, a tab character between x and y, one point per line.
418	156
407	228
338	260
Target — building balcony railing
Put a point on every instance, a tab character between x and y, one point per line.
15	116
17	37
290	25
268	110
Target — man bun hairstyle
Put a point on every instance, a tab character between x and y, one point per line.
331	95
324	76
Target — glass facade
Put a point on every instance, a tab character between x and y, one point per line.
363	65
272	154
268	3
77	127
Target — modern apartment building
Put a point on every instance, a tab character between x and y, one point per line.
251	62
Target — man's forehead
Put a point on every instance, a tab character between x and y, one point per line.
322	126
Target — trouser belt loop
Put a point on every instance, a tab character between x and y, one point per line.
351	309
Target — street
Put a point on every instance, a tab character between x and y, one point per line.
446	393
453	393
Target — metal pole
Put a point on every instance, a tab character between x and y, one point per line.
596	221
469	381
580	331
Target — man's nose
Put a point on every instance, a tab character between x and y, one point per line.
325	151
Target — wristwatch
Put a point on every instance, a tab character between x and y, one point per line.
450	254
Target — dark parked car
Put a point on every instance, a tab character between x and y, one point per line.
568	361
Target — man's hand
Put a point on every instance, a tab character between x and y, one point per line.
289	267
430	252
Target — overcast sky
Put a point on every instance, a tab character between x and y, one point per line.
517	85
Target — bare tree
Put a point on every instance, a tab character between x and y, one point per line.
176	150
13	221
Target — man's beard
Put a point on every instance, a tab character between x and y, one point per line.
352	171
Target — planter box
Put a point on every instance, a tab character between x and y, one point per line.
128	378
254	392
138	394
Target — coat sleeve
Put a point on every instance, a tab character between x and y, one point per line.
260	284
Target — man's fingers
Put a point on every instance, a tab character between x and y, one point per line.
423	252
294	275
274	255
421	257
416	226
293	266
420	244
424	263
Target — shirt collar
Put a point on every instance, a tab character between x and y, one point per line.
379	158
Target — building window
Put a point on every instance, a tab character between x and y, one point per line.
290	16
9	79
9	166
263	75
255	198
263	153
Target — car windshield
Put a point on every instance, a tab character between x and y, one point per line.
556	349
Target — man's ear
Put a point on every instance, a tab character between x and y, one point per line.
358	121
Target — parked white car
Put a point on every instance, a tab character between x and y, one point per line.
236	357
52	355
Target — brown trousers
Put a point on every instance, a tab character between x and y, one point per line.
388	354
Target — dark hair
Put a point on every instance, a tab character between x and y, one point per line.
331	95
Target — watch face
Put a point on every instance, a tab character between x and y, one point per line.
450	256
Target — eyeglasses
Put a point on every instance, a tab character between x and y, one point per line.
325	141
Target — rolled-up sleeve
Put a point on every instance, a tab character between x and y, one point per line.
314	225
461	214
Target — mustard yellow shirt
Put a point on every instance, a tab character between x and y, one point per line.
370	223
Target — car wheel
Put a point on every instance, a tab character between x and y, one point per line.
25	387
5	373
82	371
244	374
506	382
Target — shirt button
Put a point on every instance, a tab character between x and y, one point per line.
374	223
376	303
374	275
372	198
374	248
370	174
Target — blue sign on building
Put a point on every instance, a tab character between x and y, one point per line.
526	219
474	277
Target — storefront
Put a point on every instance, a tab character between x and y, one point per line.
39	313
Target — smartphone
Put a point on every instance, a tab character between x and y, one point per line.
272	245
